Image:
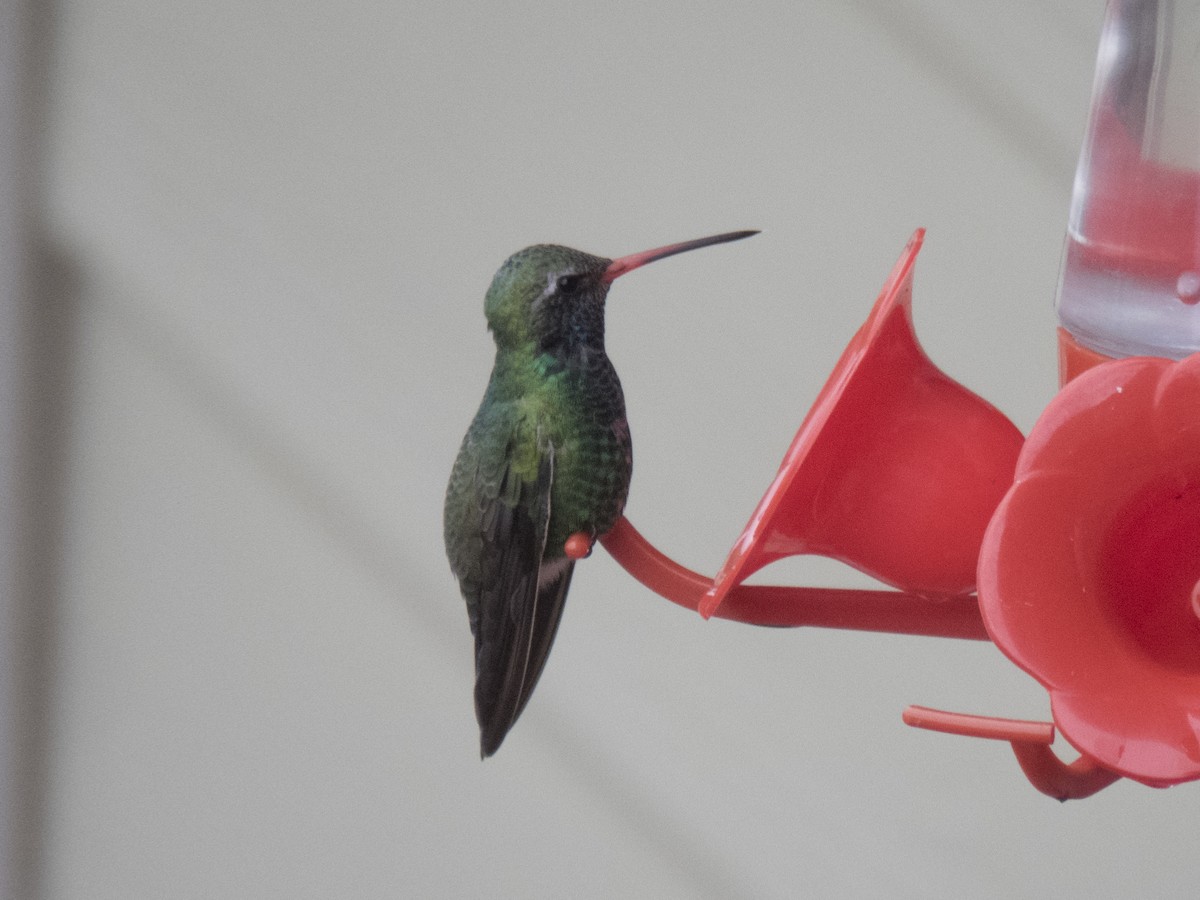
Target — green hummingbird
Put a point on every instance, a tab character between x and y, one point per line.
547	456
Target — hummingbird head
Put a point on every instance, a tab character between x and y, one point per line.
548	297
551	298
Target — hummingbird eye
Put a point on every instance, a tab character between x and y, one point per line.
568	284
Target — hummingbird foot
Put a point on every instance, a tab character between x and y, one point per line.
579	545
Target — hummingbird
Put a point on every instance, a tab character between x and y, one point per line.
548	456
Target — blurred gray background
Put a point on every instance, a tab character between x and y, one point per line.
246	251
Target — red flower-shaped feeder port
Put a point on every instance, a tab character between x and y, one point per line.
1089	575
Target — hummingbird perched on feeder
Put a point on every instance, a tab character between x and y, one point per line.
544	468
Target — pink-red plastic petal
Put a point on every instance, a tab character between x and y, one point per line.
1089	570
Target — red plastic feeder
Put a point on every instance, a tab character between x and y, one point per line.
893	454
1086	551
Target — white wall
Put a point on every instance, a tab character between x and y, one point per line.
279	221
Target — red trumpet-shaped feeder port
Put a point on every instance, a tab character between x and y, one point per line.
1089	576
895	470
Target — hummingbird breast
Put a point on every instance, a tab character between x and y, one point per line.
593	451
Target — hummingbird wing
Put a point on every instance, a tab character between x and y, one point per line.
514	588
